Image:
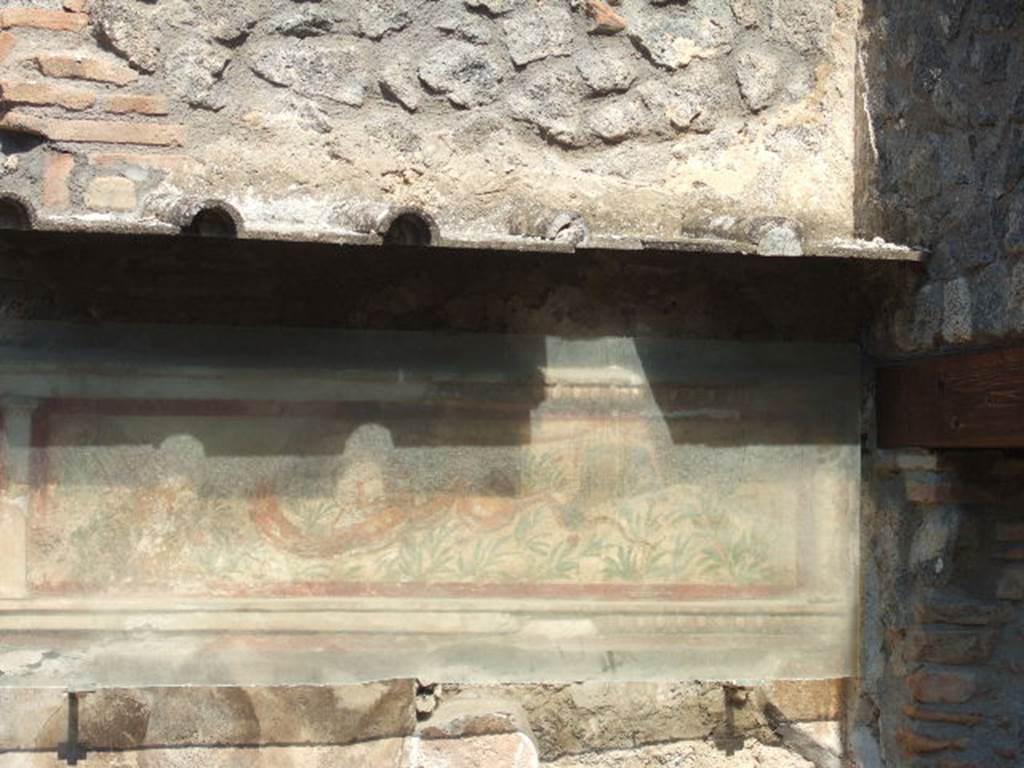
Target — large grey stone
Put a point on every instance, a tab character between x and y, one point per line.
494	7
545	101
466	27
757	74
934	538
803	24
957	326
682	109
989	288
129	28
747	12
317	68
468	76
615	120
1014	239
398	83
307	22
379	17
1015	298
605	72
535	34
927	316
677	35
195	72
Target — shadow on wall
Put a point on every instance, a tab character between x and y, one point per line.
940	161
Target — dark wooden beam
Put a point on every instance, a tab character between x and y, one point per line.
955	401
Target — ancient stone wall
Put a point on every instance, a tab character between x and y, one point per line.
566	120
942	162
943	672
202	282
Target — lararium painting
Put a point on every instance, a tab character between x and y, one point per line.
486	508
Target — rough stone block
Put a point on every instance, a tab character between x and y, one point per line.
989	294
955	608
123	104
934	536
397	83
951	646
757	74
1015	298
45	95
80	67
95	131
937	686
957	324
111	193
1011	583
76	6
43	18
56	174
1014	240
604	73
926	323
538	33
463	73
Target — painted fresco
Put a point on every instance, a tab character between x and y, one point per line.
459	508
329	504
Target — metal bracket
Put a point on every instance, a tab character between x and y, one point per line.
71	750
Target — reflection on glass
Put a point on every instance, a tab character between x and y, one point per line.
402	504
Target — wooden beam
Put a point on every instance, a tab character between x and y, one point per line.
955	401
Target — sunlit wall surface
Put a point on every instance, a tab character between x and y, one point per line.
205	507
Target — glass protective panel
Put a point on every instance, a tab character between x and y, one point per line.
213	507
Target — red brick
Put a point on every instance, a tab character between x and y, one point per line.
951	646
95	131
78	67
938	606
1010	532
1011	583
56	192
931	686
46	95
124	103
1011	553
168	163
7	43
935	716
916	744
43	18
